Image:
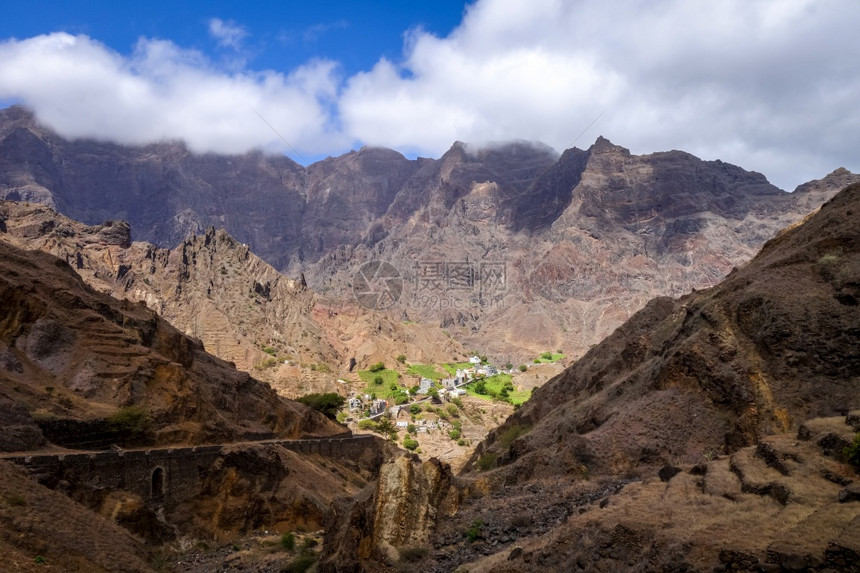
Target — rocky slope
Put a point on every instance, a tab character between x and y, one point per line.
706	432
74	361
512	249
772	345
787	504
43	530
213	288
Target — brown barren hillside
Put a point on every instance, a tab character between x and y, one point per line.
43	530
74	362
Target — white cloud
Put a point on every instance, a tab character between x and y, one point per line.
227	34
766	84
83	89
771	85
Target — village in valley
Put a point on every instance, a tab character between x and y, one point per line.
440	411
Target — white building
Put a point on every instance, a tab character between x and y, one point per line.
425	385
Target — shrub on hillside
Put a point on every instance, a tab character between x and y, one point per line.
487	461
131	421
852	452
328	403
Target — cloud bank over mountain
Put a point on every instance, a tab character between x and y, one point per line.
769	84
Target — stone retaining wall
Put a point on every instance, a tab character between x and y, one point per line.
162	475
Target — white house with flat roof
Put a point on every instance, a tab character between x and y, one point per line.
424	385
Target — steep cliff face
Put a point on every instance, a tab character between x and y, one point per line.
563	251
392	521
163	190
266	486
78	363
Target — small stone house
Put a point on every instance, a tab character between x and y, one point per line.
378	407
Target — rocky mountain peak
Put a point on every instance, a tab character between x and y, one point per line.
602	145
15	117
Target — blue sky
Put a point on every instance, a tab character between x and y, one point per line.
277	34
770	85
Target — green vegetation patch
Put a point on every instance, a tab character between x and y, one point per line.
852	453
548	357
379	382
511	434
487	461
474	531
498	387
328	403
426	371
133	421
452	367
15	499
267	363
288	541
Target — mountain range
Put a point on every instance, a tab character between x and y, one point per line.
512	249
